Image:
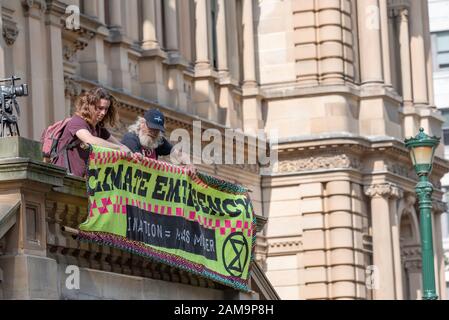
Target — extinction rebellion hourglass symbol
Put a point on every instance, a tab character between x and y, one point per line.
235	254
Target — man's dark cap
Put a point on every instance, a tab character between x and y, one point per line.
155	119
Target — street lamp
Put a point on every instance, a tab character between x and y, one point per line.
422	148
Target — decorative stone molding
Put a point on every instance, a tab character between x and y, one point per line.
411	257
72	87
77	42
439	206
30	4
401	169
341	161
398	4
261	251
407	171
10	30
411	251
413	265
384	190
283	246
409	202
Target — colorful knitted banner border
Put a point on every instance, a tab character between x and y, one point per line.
197	223
137	248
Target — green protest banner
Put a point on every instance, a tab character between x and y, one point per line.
157	210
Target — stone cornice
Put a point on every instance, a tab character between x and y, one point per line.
292	90
56	8
319	148
384	190
18	169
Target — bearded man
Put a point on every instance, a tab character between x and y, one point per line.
146	137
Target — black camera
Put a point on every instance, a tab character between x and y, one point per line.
18	91
8	103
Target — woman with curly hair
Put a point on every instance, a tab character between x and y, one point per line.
94	109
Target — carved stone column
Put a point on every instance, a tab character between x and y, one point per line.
171	25
149	40
204	92
95	9
249	68
222	46
370	41
383	253
38	113
252	105
201	38
428	46
385	41
115	15
404	48
418	55
56	65
119	62
226	99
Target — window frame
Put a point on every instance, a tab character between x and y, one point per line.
436	52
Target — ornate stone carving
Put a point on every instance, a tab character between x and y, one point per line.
72	87
439	206
10	32
29	4
399	8
261	251
409	202
70	48
406	170
341	161
413	265
411	255
9	27
401	169
385	190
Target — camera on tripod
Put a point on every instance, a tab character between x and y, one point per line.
8	103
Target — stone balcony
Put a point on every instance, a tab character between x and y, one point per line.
38	202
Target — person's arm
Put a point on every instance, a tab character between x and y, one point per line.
114	140
85	136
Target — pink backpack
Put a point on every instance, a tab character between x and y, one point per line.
50	139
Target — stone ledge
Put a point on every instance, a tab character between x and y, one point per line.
14	169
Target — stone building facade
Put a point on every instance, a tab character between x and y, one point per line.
342	81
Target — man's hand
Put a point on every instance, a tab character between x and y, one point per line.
124	148
137	156
191	170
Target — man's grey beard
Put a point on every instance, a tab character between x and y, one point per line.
148	142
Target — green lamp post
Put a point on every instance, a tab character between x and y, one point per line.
422	148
